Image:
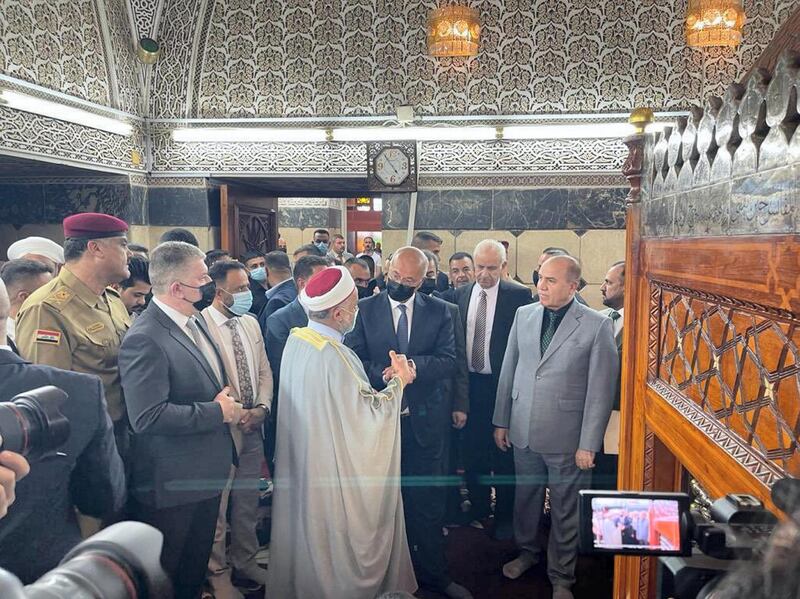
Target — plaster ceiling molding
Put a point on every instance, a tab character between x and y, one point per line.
146	15
33	136
513	181
309	203
56	44
127	70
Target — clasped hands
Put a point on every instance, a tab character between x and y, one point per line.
232	412
401	366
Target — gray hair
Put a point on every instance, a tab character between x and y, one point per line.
168	263
493	244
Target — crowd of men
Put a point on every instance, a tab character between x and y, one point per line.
358	384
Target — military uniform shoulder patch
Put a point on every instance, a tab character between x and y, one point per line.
94	328
59	297
48	336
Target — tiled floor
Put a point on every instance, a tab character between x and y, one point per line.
476	561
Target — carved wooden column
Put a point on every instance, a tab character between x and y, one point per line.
640	174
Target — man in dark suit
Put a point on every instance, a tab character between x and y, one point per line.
276	331
425	240
178	405
282	289
546	254
420	327
613	290
256	264
487	309
41	526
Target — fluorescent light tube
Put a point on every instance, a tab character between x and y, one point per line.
414	133
61	112
248	134
572	131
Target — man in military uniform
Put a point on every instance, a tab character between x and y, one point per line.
76	321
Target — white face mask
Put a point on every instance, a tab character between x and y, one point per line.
352	324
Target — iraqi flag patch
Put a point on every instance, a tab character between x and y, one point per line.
45	336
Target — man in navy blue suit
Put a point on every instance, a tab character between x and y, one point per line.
276	331
420	327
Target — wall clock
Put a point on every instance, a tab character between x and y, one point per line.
392	166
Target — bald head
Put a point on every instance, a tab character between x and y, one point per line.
408	266
559	278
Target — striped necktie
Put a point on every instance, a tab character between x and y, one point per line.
479	339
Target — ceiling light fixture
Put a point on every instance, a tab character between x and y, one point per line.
62	112
454	31
415	133
714	23
249	134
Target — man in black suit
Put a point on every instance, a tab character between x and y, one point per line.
425	240
420	327
282	289
276	331
41	526
256	264
546	254
461	272
22	277
487	310
179	407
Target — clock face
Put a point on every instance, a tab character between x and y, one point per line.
392	166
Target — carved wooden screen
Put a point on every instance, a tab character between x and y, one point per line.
249	220
712	330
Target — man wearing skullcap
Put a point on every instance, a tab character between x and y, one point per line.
337	514
40	249
76	321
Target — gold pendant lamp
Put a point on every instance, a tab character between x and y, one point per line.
453	31
714	23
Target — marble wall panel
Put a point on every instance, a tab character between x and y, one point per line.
21	204
591	208
303	218
395	210
531	243
207	237
530	209
179	206
599	250
454	209
10	232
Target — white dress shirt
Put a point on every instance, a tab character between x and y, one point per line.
221	320
472	311
619	322
409	303
179	319
11	328
325	330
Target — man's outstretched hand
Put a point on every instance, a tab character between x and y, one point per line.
401	367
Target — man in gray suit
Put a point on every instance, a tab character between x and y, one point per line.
553	402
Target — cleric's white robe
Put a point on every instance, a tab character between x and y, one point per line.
337	514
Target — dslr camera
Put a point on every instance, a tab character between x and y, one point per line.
694	553
120	562
31	423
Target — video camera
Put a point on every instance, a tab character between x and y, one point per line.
694	554
120	562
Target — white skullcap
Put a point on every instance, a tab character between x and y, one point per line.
36	245
326	289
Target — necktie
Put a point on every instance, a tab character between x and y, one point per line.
479	340
402	329
549	331
242	368
205	347
614	315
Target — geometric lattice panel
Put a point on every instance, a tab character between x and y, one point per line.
740	365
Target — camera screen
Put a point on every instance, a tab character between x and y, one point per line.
634	523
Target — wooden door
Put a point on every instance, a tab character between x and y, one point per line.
711	374
249	220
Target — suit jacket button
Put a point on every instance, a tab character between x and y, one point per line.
538	377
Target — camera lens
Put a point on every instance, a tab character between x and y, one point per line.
31	423
91	575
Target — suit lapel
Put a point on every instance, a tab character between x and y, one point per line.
388	320
463	305
536	332
420	301
568	325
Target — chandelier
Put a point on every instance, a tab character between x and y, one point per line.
714	23
453	31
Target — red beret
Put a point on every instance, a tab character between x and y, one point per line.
92	225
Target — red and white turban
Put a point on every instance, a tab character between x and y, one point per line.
327	288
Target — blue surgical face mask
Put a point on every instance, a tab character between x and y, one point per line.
242	302
259	274
322	246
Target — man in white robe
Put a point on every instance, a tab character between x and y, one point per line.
337	514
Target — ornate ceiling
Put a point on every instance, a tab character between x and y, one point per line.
274	58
